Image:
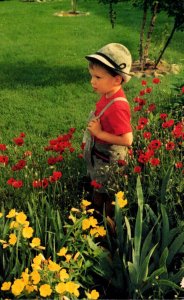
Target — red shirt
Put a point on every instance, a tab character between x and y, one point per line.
117	118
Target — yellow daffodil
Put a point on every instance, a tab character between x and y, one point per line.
27	232
63	275
62	251
12	239
45	290
6	286
21	218
17	287
35	276
93	295
52	266
11	214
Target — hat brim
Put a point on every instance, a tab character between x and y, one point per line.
103	60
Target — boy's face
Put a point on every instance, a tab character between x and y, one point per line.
103	82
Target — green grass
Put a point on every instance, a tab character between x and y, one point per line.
44	80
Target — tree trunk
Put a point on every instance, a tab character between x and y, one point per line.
141	42
74	5
166	45
149	34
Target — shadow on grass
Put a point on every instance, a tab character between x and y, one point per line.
38	73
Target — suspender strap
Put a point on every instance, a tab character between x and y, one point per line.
109	104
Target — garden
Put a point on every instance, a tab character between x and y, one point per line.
52	245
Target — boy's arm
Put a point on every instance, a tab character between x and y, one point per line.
95	129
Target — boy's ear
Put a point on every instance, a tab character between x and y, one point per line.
119	79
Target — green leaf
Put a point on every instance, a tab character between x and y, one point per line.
165	183
163	258
132	274
144	267
175	247
165	228
166	282
138	226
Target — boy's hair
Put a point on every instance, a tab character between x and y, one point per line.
95	62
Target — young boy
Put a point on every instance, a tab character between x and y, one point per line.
110	127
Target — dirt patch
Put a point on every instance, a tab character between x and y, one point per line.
163	68
71	14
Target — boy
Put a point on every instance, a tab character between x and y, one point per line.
110	127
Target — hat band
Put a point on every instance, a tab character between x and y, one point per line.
117	67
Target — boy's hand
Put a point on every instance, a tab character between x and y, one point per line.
94	127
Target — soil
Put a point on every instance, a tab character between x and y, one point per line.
163	68
71	14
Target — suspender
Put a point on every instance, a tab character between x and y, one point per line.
109	104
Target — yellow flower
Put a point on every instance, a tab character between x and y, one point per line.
76	256
62	251
35	242
21	218
6	286
17	287
93	295
29	288
60	288
37	261
1	214
25	276
71	217
63	275
85	224
73	209
27	232
45	290
85	203
35	277
68	257
54	267
14	224
72	288
11	213
2	241
12	239
120	199
93	221
90	211
98	231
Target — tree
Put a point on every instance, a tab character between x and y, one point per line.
174	9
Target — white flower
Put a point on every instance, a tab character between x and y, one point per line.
182	283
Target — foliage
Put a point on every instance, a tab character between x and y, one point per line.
174	9
146	255
25	271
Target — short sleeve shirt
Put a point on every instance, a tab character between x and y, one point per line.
117	118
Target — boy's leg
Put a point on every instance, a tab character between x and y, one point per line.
102	199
